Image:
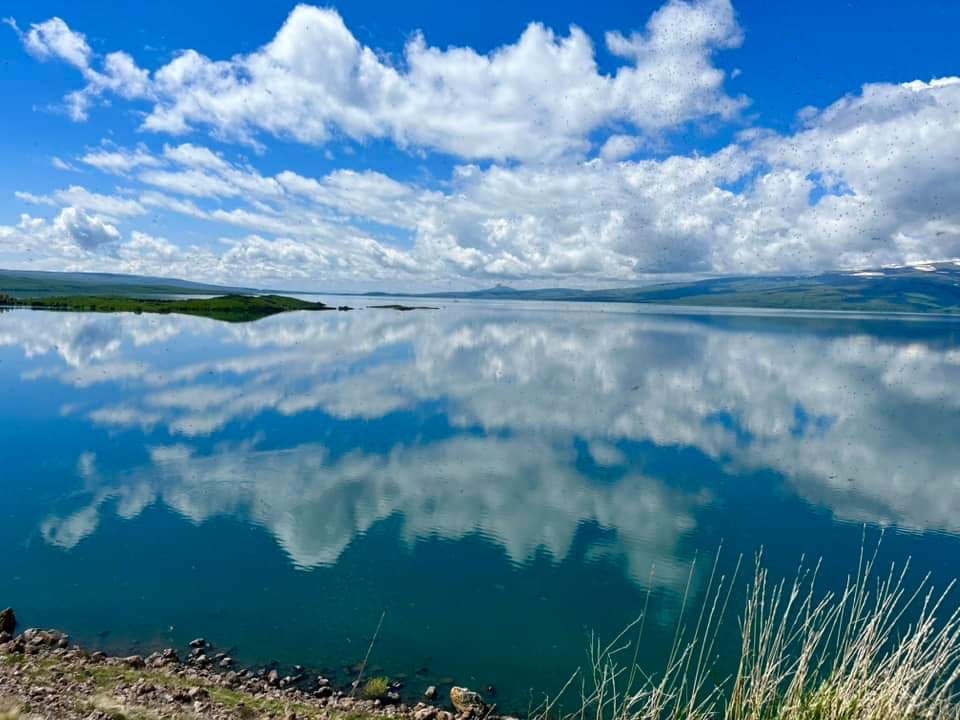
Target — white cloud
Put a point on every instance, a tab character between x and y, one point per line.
868	180
54	39
61	164
536	98
618	147
119	161
79	197
86	231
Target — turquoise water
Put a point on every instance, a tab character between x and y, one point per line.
499	479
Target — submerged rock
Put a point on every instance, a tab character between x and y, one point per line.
430	693
8	621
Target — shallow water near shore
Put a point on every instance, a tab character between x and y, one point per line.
498	479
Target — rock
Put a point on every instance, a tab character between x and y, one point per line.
430	693
8	621
392	697
98	656
226	662
273	677
425	713
5	636
198	643
170	655
490	690
323	682
444	715
134	661
197	693
467	702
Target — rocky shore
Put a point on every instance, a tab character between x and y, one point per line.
44	675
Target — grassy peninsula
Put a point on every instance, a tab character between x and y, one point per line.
229	308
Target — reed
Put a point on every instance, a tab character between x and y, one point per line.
883	648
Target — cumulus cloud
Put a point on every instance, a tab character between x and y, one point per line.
537	98
87	231
867	180
53	39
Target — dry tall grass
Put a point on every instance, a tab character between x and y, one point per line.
882	649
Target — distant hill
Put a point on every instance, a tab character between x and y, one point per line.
932	287
37	283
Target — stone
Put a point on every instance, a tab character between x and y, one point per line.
8	621
467	702
170	655
198	643
392	697
430	693
197	693
5	636
134	661
226	662
324	691
323	682
273	677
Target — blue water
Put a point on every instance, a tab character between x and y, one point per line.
498	478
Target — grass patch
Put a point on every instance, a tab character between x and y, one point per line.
230	308
375	688
881	649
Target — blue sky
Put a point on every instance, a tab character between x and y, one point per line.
425	144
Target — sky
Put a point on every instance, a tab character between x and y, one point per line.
426	145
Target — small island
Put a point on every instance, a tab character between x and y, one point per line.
230	308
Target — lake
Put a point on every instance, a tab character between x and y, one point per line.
496	480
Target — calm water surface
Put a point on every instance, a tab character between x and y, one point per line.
500	479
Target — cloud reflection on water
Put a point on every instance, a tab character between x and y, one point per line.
855	420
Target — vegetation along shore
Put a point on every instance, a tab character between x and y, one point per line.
231	308
44	675
882	648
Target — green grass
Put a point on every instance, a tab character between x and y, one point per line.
881	649
376	688
107	679
230	308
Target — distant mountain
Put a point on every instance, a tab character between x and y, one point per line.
930	287
25	283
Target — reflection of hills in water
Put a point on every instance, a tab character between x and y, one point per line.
519	424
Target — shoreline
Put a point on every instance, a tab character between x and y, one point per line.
45	675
